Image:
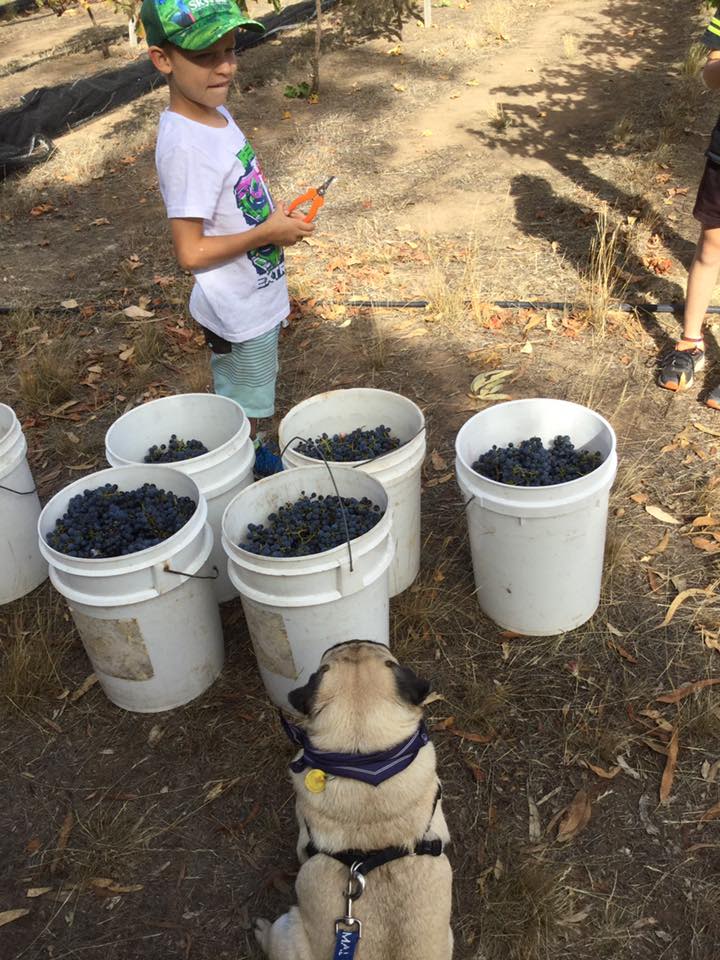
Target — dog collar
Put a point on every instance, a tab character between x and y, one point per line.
373	768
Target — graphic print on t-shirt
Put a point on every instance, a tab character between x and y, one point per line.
253	200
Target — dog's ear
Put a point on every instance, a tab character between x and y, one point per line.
301	699
411	688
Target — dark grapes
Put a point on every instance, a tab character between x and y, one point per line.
175	450
311	525
107	522
530	464
360	444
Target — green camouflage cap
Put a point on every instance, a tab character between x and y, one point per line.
192	24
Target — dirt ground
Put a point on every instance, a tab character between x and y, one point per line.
477	161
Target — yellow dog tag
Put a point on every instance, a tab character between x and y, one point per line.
315	780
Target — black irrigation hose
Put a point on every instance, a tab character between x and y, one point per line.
670	308
527	305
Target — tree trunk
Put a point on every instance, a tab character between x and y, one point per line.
103	44
315	85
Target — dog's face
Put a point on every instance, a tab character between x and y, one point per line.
360	699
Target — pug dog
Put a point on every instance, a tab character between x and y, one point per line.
367	792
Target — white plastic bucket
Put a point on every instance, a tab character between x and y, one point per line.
227	468
298	607
537	552
22	566
341	411
153	637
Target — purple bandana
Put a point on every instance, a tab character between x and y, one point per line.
372	768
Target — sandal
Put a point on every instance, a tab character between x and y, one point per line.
712	400
678	367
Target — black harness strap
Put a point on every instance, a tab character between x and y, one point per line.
369	860
365	861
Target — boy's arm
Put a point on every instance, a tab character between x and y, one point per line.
711	70
711	39
195	251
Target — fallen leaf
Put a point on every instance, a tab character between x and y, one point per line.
602	773
7	916
659	514
137	313
33	845
476	770
614	630
662	546
126	354
426	133
100	222
644	804
702	543
670	765
714	432
526	347
37	892
675	696
639	497
437	461
534	825
712	814
105	883
63	837
472	737
630	771
437	480
69	304
156	733
681	598
705	521
621	651
577	817
221	787
399	87
86	685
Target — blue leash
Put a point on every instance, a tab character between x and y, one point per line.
346	942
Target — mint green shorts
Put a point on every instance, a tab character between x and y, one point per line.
248	373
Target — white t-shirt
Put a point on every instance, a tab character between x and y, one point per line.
212	174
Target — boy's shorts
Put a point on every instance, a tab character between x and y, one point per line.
246	372
707	205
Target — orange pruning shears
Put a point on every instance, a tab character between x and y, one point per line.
316	198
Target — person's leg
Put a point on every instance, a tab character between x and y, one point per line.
702	279
679	367
248	375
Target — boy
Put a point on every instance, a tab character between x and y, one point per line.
225	228
678	369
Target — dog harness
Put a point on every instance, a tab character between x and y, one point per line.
374	769
348	929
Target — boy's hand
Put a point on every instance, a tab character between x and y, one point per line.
284	230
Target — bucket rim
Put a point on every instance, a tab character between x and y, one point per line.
183	466
526	401
399	453
232	549
129	560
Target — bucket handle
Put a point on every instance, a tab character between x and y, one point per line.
20	493
194	576
342	505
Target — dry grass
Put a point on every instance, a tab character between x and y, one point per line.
570	46
523	907
49	375
498	17
35	634
603	281
150	343
452	288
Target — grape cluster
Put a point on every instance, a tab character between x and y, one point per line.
175	450
107	522
360	444
530	464
311	525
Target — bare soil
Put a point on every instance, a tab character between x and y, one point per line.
473	162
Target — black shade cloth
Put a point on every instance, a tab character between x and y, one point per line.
26	131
